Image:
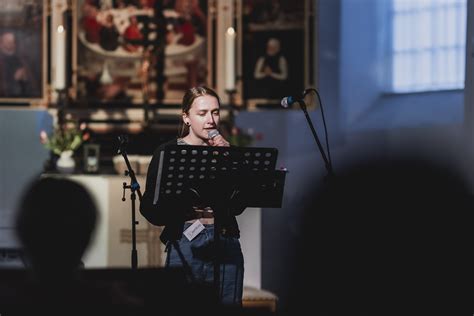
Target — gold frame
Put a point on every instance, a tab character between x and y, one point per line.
309	74
44	99
135	101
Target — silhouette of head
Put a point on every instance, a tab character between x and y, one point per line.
387	235
55	221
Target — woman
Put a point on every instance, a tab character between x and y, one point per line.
200	115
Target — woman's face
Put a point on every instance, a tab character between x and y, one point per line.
203	116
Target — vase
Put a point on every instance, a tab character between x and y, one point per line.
66	163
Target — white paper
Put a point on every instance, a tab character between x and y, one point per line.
193	230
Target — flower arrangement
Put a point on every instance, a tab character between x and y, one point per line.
65	138
238	137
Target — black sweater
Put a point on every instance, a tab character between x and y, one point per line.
173	214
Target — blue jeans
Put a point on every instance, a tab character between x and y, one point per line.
199	255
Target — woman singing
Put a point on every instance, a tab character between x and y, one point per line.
196	251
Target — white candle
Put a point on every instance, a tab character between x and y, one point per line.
230	59
60	59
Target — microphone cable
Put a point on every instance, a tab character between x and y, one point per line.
307	91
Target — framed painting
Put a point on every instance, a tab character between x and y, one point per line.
129	52
23	52
277	50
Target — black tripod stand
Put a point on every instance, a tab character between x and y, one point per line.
134	187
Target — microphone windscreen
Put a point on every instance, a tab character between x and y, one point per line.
212	133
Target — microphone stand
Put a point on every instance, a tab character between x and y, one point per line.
327	162
134	186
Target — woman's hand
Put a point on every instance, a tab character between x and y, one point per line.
219	141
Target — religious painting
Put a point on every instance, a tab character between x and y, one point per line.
275	50
23	52
131	52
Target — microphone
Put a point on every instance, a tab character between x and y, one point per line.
286	102
123	139
212	133
123	142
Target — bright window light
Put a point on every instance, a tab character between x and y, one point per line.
428	45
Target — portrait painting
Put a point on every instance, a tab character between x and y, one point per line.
119	44
23	54
273	51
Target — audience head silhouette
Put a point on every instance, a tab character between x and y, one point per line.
387	235
55	221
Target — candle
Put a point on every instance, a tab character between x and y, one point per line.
230	59
60	59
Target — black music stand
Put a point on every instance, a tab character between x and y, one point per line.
228	173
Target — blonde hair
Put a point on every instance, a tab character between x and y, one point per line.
188	100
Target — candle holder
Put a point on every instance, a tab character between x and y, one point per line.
232	105
62	98
62	102
231	97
